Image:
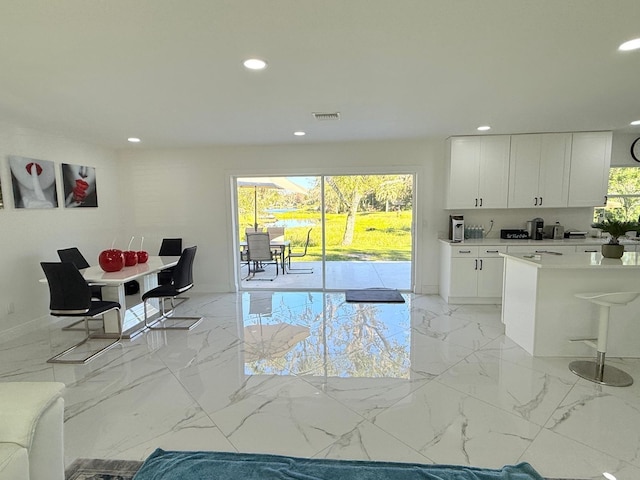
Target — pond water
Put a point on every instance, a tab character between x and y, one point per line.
291	223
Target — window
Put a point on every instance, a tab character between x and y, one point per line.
623	196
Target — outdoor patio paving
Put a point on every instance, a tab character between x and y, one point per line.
339	276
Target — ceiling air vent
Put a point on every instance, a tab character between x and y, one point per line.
326	116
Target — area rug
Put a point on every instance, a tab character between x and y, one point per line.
185	465
374	295
97	469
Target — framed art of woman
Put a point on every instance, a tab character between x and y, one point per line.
33	182
79	186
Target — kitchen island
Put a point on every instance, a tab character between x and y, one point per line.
542	315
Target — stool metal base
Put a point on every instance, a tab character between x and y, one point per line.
602	374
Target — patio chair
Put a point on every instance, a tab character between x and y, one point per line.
275	233
299	255
259	253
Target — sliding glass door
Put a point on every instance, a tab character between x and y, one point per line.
340	232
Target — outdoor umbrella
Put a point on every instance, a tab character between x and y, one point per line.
272	340
278	183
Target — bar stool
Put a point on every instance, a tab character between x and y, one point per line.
596	371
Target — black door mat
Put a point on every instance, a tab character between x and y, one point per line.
374	295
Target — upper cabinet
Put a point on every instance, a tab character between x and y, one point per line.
539	170
590	160
478	172
552	170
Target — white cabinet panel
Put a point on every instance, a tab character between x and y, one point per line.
478	172
471	274
590	160
539	170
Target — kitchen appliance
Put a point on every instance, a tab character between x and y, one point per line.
535	228
514	234
456	228
554	231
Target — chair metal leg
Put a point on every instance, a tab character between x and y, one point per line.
59	358
298	270
71	326
164	316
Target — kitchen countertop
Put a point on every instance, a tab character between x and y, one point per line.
595	261
547	241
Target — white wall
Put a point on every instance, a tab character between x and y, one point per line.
186	193
31	236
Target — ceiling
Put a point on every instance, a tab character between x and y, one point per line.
170	71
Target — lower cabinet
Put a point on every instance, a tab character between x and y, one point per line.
471	274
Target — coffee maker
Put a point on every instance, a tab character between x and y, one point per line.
535	228
456	228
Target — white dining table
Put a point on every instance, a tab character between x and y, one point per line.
131	305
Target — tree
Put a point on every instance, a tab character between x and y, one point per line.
623	193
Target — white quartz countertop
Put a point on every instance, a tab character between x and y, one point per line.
537	243
576	260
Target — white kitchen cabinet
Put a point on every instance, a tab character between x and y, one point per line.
589	177
478	172
471	274
539	170
542	249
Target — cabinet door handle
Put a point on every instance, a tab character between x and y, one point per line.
476	267
540	201
480	264
480	201
590	251
535	202
491	251
464	251
476	202
606	199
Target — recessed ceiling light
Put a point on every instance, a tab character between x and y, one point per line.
484	128
635	122
255	64
133	140
630	45
299	134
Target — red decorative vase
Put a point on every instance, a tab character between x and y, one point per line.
130	258
111	260
142	256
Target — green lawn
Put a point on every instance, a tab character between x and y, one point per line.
378	236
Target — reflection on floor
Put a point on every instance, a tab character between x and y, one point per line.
306	374
339	275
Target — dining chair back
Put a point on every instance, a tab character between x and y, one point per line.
170	247
276	233
181	281
292	254
259	253
70	296
73	255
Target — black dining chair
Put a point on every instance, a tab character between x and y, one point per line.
73	255
170	247
70	296
181	281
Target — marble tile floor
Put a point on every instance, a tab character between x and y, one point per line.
306	374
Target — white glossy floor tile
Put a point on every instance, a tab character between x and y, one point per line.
307	374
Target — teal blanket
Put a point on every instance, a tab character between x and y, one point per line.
169	465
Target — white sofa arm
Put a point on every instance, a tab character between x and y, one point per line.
14	462
32	417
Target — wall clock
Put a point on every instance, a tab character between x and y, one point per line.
635	149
